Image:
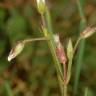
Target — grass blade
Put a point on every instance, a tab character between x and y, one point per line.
80	53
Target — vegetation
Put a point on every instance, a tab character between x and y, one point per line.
50	54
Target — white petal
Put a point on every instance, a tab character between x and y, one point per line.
56	38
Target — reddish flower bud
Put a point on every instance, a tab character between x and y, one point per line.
61	55
59	50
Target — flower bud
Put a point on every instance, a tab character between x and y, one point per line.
70	50
41	6
59	50
16	50
88	32
61	55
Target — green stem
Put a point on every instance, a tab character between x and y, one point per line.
69	70
65	90
76	45
35	39
51	42
46	20
86	92
61	85
80	53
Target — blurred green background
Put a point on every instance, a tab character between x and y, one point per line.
32	73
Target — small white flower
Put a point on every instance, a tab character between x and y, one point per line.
39	1
41	6
16	50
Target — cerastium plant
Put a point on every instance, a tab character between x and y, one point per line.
62	59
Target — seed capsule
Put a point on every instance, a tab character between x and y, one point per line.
88	32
